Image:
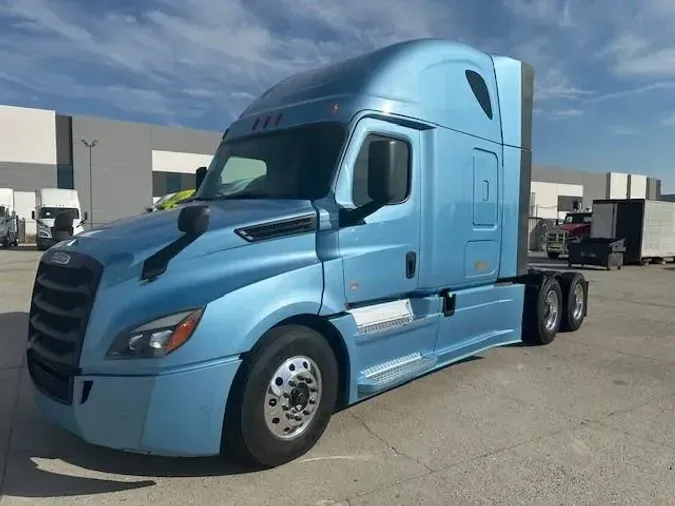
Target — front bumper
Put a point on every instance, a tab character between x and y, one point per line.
556	248
178	414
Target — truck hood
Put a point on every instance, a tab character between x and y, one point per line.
574	227
132	240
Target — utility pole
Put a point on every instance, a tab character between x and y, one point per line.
90	146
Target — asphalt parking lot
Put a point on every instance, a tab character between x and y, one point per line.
589	419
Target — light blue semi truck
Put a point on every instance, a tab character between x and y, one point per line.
382	235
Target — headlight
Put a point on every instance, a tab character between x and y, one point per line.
43	231
157	338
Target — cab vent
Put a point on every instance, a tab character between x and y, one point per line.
278	229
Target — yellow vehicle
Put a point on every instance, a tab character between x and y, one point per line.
170	200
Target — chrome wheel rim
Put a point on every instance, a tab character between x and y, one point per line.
551	303
292	397
578	301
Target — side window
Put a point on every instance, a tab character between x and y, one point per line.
480	91
400	171
242	169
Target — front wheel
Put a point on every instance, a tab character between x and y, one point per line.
553	255
283	397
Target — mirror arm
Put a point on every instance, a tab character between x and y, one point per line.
353	217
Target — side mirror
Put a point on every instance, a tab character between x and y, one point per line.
194	220
32	215
86	217
199	177
383	158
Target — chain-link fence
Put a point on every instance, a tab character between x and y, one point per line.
537	230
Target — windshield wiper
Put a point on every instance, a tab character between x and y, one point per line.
196	199
244	195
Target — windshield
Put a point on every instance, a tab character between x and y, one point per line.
578	218
49	213
163	199
297	163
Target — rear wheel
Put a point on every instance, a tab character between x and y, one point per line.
574	299
543	312
553	255
283	397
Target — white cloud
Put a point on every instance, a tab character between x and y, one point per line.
642	44
622	130
545	12
669	120
173	54
639	90
180	59
559	114
554	84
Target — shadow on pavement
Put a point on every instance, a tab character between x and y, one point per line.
28	471
13	328
29	477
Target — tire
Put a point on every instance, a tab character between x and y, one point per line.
252	410
573	286
537	328
553	255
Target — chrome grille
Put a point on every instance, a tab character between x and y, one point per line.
63	295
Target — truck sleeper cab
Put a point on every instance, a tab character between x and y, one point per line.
58	216
360	225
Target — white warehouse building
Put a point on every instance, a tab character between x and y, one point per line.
134	163
556	191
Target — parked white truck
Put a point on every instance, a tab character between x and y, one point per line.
9	231
51	202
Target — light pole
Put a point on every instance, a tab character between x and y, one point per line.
90	146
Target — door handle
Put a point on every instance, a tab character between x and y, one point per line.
410	264
486	190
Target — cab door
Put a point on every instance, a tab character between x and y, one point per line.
380	254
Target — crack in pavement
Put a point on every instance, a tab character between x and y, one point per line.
471	459
385	442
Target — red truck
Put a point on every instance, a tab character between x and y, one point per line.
575	227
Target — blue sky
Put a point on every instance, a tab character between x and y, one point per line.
605	85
